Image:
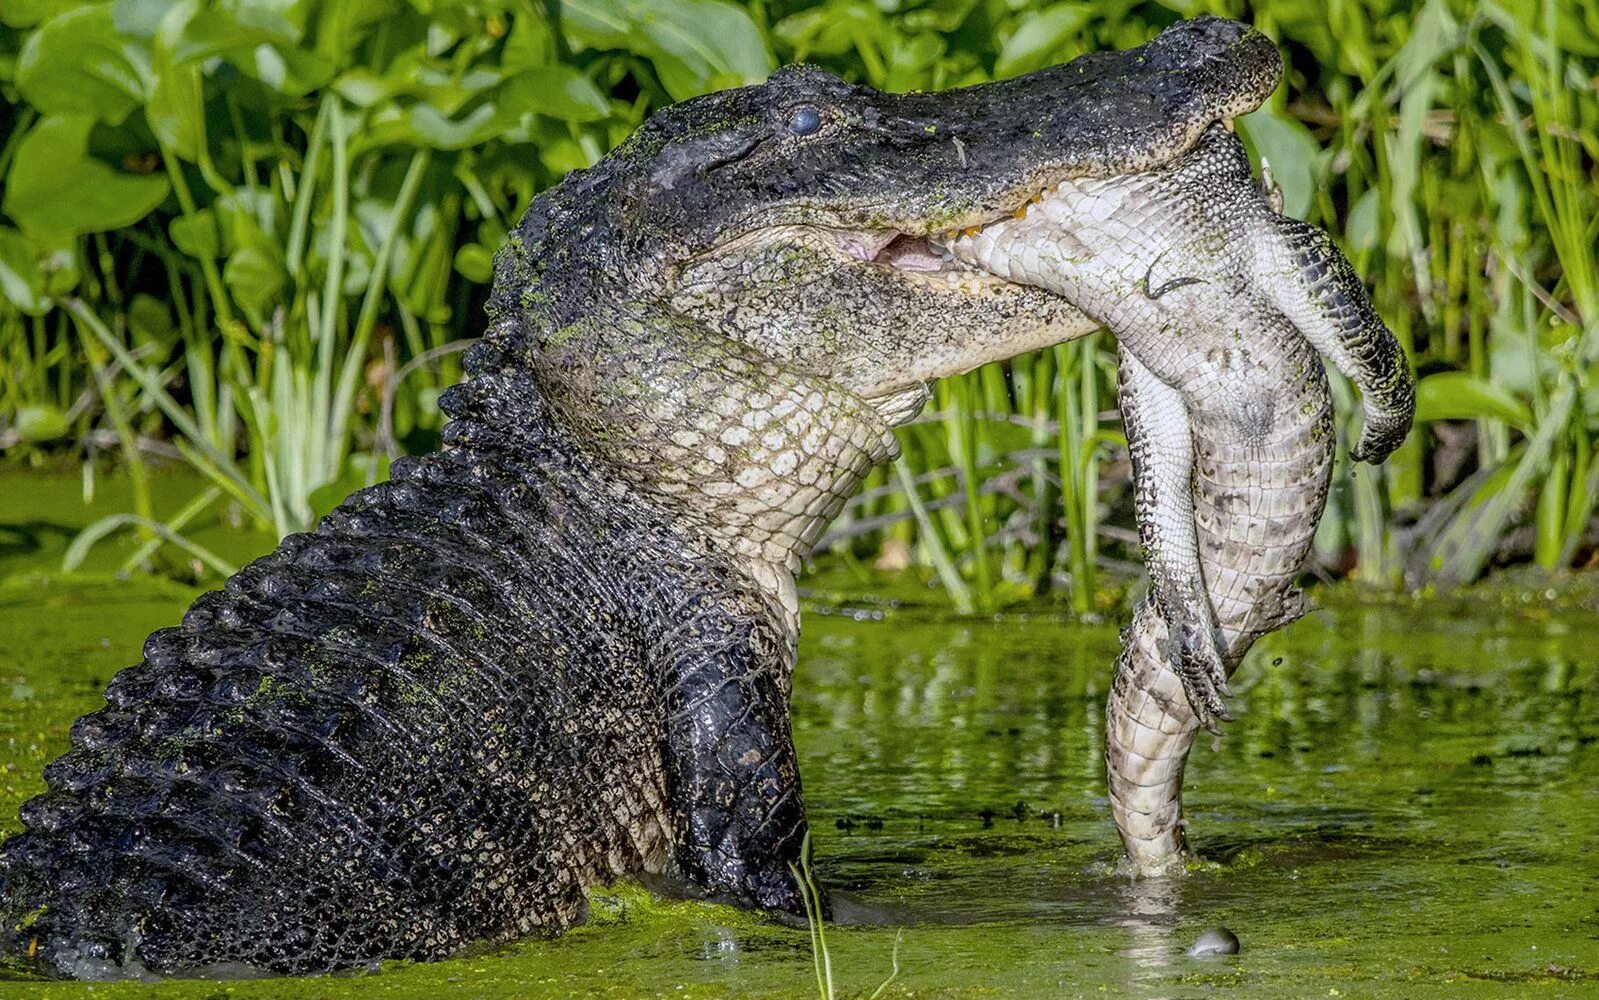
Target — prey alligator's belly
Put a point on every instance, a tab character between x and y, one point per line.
1229	424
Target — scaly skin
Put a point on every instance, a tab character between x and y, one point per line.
1220	306
559	651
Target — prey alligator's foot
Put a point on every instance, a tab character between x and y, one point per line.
1193	646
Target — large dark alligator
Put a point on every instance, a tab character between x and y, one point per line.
559	650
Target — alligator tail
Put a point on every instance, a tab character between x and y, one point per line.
387	739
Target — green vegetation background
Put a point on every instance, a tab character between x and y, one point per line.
252	235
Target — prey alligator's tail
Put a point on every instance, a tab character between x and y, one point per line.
387	739
1256	506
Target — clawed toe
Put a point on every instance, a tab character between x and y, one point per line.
1196	657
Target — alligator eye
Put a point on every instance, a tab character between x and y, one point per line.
805	121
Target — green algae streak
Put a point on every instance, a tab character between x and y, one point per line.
1407	806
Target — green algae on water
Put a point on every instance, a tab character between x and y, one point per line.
1405	808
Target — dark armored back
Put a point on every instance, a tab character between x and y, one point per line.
430	722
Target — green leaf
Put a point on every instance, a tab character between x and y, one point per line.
831	30
27	13
1040	37
175	106
150	321
531	43
1361	228
475	263
1459	396
343	25
695	45
196	235
439	132
40	423
77	64
558	91
140	18
20	280
255	274
55	188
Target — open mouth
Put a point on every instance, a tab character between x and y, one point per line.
919	256
930	256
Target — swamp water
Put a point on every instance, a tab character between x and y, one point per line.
1408	806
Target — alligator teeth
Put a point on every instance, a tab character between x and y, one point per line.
1026	206
1227	123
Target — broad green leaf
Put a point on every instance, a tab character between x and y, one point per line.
54	187
255	274
283	19
475	263
77	64
27	13
439	132
196	235
831	30
1040	37
40	423
261	38
695	45
1361	228
530	43
910	58
60	267
20	280
291	71
558	91
342	26
1459	396
175	106
150	321
140	18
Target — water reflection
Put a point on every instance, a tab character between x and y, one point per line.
1367	739
1407	800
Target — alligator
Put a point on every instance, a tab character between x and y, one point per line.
558	651
1220	306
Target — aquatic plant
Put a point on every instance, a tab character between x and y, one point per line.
282	218
815	921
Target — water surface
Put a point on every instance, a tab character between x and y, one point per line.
1408	806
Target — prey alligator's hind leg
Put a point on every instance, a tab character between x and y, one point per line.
1160	441
732	777
1256	505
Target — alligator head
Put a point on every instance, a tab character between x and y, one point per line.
737	306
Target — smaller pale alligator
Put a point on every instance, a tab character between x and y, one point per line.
1220	306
